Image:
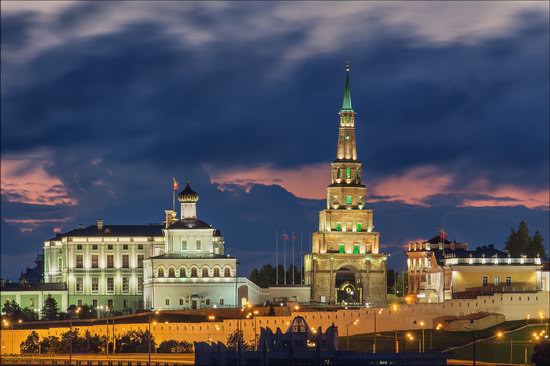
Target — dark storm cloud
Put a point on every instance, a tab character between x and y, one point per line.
122	113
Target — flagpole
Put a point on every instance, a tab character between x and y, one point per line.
301	258
293	257
277	257
285	238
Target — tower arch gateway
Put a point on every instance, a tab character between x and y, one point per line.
346	263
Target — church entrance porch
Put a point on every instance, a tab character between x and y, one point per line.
348	290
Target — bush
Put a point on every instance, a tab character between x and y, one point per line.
31	344
134	341
172	346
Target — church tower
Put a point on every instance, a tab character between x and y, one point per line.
345	266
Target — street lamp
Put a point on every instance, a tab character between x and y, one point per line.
474	350
374	342
71	335
500	335
423	343
347	331
150	334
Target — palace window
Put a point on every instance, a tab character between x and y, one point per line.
110	304
348	173
94	303
355	249
125	247
227	272
109	246
79	261
140	285
79	284
95	261
207	302
95	284
171	272
485	280
110	261
125	303
222	301
342	249
79	302
183	245
496	280
79	247
94	246
338	226
216	272
167	302
160	272
194	272
182	272
205	272
110	284
125	285
125	261
508	280
198	247
359	227
140	246
140	261
181	301
348	199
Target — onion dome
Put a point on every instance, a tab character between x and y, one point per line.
188	195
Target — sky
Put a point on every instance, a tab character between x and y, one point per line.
103	103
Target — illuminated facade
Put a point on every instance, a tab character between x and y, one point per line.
440	270
102	265
346	266
192	271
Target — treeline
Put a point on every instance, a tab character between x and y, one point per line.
133	341
520	242
267	275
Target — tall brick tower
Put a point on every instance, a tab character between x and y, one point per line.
345	266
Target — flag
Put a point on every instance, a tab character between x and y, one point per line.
285	236
175	184
443	234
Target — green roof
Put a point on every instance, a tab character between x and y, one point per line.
346	104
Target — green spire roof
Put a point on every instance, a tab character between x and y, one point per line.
346	104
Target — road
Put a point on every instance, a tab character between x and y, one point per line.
95	359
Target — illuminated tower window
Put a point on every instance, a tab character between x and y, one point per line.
356	249
342	249
348	173
358	226
348	200
338	173
338	226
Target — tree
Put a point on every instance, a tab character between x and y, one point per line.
234	338
50	311
31	344
518	241
134	341
541	356
271	311
536	246
173	346
29	315
12	311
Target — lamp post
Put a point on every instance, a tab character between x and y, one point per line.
474	346
71	335
347	331
423	343
500	335
374	341
526	332
395	330
150	335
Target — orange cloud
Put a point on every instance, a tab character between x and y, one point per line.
26	225
24	180
308	181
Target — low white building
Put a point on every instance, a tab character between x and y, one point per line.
193	271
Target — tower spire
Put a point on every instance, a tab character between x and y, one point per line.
346	104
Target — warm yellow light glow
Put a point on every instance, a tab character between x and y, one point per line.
394	307
380	311
499	334
255	312
296	307
20	321
154	323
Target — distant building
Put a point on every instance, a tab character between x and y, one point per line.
439	270
346	266
36	273
32	295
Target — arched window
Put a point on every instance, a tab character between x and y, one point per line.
194	272
227	272
182	272
216	272
171	272
205	272
160	272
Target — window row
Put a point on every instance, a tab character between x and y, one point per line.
349	226
109	284
187	302
183	272
109	246
109	261
496	280
184	247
